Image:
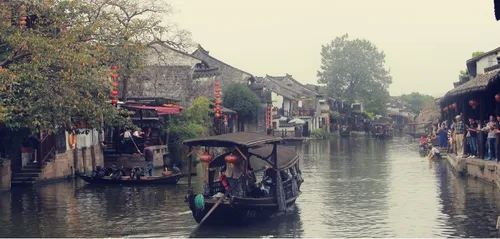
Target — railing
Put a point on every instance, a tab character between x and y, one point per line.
47	148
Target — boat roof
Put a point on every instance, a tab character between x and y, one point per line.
287	157
242	139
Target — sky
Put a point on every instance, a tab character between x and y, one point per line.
426	42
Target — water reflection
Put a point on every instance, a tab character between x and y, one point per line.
354	187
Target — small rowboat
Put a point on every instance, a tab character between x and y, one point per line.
126	180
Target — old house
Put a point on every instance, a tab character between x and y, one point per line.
172	73
477	96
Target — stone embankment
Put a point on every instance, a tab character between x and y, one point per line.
487	171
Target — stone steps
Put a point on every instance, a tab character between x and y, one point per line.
27	176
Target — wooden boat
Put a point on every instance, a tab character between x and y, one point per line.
126	180
345	134
383	131
245	207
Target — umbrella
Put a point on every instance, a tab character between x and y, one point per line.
296	121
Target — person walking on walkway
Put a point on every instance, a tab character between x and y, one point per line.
459	135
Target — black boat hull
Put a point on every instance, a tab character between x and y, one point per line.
163	180
239	213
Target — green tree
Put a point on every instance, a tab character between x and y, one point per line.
50	76
477	53
241	99
354	70
465	73
416	101
193	122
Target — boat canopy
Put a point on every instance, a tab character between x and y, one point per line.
242	139
287	157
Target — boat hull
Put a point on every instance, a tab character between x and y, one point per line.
155	180
239	212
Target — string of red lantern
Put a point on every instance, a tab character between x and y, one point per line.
217	111
114	90
268	113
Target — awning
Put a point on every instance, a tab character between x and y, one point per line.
160	110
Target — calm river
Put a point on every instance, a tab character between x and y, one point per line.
353	188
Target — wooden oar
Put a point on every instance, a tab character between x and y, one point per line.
209	212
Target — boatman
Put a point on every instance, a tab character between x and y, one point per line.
148	157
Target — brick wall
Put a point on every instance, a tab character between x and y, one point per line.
5	175
65	164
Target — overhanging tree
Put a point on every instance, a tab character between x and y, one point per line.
354	70
241	99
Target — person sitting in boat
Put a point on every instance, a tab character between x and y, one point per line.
268	180
435	153
233	174
422	140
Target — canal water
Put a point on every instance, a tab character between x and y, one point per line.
353	188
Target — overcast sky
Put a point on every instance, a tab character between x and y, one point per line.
426	42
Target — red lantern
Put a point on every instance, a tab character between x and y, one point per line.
217	102
497	97
114	67
454	105
114	101
115	84
473	103
217	108
217	96
217	90
205	157
231	158
445	109
216	83
114	93
217	115
114	76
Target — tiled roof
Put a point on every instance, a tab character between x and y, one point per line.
206	53
478	83
200	73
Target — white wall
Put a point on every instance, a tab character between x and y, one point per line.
486	62
85	140
287	104
277	100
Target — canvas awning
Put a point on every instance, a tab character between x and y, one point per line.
160	110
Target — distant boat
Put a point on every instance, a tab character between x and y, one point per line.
126	180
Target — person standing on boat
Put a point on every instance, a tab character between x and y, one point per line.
148	156
443	137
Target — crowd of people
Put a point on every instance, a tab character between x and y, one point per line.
462	137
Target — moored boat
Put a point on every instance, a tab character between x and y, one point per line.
383	131
237	201
127	180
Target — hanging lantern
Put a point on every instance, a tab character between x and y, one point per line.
114	93
205	157
217	115
216	83
217	90
114	101
114	76
497	97
115	84
473	103
217	96
217	108
114	67
231	159
454	105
